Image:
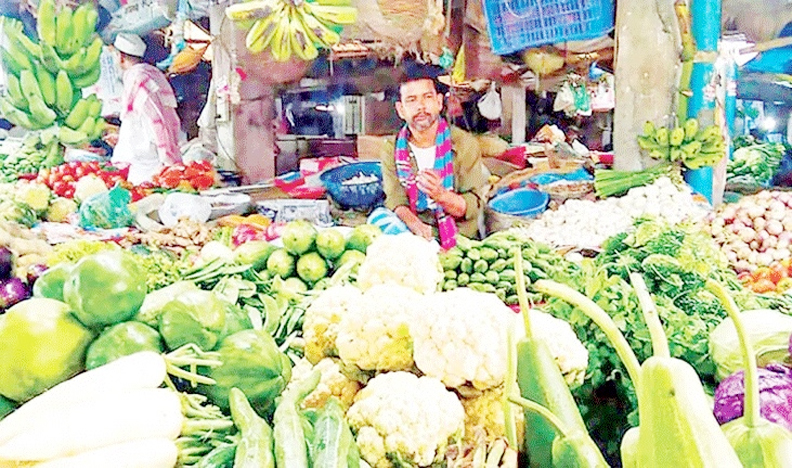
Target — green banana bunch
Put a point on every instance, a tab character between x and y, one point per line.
289	29
686	144
46	76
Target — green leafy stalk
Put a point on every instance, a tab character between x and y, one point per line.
522	298
551	418
599	317
751	382
656	332
510	388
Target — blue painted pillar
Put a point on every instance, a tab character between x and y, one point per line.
706	26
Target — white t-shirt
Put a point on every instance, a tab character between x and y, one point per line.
424	157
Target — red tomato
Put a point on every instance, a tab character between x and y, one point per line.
205	165
777	273
69	192
59	187
193	170
169	179
202	182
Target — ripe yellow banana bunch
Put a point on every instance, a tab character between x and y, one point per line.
46	76
687	144
292	27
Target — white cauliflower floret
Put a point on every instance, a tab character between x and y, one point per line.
320	326
565	347
399	416
376	334
463	339
484	411
332	383
403	259
33	194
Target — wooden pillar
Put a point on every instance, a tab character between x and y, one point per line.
647	73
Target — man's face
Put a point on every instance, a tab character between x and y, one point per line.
419	104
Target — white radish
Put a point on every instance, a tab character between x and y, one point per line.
140	370
145	453
112	419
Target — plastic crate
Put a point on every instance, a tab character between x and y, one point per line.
514	25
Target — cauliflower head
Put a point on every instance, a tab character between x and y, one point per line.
484	412
331	384
565	347
399	416
404	259
376	334
33	194
463	340
320	326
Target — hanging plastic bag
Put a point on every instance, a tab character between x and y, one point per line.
108	210
490	104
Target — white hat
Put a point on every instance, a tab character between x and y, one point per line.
130	44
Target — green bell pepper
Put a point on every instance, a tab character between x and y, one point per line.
105	288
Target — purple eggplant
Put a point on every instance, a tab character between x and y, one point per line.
13	290
6	263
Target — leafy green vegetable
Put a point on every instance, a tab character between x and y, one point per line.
74	250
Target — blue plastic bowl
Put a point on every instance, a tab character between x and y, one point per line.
522	202
354	196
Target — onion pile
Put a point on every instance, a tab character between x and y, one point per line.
756	231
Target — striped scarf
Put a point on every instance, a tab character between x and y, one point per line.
444	164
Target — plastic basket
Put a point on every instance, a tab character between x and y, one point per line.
514	25
354	196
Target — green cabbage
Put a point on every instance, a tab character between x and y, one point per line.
768	331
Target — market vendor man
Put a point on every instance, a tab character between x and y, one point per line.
148	138
433	171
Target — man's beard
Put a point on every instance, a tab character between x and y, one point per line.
425	123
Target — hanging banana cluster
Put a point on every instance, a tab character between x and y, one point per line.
686	144
46	77
292	27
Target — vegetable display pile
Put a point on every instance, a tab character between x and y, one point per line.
196	175
586	223
756	231
73	179
754	165
675	262
34	152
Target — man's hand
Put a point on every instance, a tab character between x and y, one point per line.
416	226
429	182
